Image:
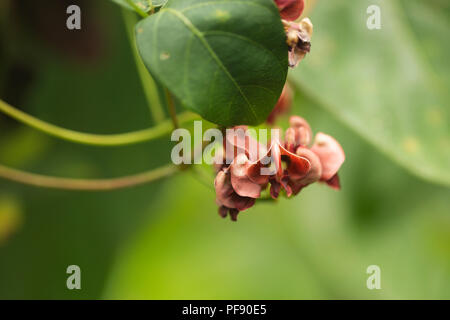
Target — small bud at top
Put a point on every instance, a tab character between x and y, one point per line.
290	9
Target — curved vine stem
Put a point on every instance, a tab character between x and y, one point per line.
86	184
128	138
148	83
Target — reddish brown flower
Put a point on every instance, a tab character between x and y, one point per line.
290	165
290	9
331	157
326	155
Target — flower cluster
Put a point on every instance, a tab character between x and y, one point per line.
298	34
288	165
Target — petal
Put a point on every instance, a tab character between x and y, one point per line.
243	203
334	182
299	133
296	187
315	171
296	55
238	141
290	9
224	190
226	196
299	40
330	153
240	180
285	184
297	166
275	188
305	28
234	214
223	211
275	156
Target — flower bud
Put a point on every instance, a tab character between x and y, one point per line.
298	39
290	9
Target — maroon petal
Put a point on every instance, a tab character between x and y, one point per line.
234	214
240	180
297	166
223	211
334	182
296	186
290	9
242	203
330	153
286	186
275	188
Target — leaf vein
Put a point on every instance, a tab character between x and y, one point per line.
205	43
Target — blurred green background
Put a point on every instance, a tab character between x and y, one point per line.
383	94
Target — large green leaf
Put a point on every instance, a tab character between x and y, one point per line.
389	85
224	59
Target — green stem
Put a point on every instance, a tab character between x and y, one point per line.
172	110
148	84
160	130
202	178
38	180
141	12
152	7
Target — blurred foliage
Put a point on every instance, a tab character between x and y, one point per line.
389	85
165	240
317	245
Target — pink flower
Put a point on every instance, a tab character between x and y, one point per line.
326	156
290	9
227	198
331	157
288	165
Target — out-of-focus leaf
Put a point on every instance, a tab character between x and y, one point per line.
225	60
191	253
389	85
11	216
142	4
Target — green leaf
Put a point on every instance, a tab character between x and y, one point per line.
225	60
389	85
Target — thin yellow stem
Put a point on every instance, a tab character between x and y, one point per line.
158	131
86	184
